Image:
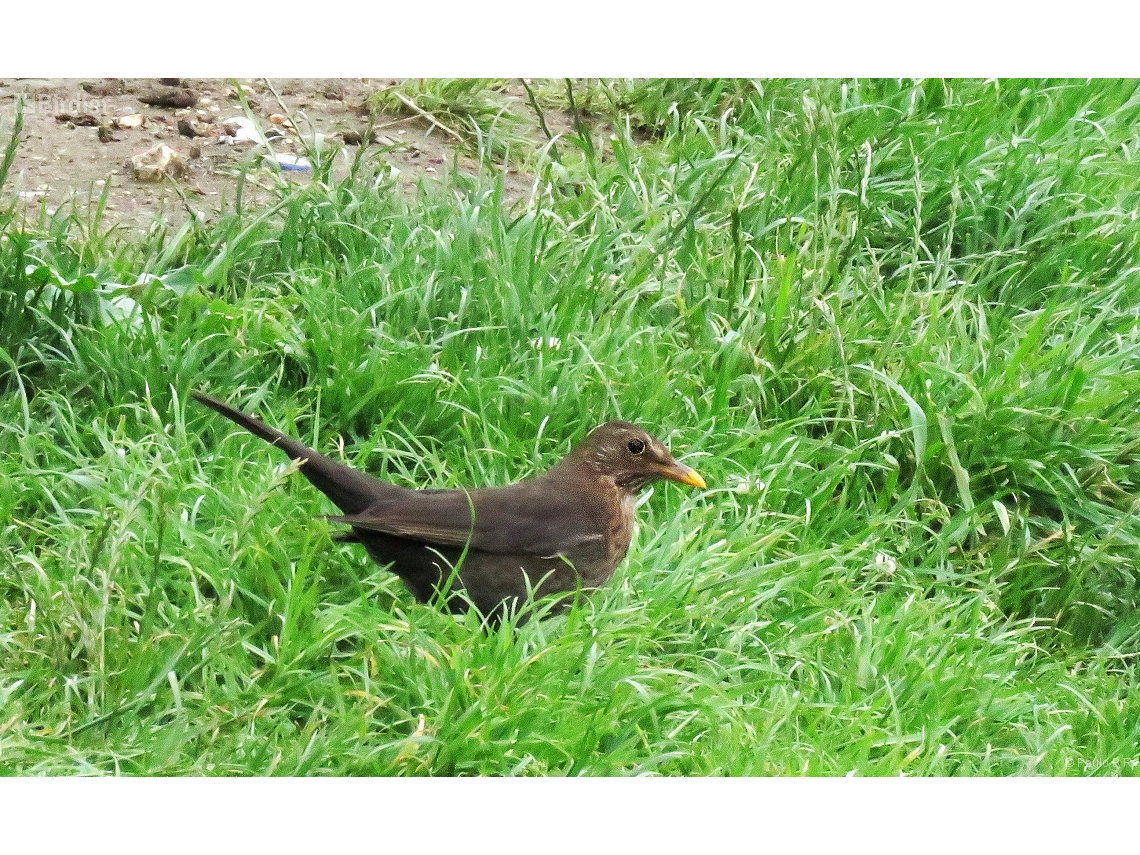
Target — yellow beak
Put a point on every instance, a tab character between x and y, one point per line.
684	475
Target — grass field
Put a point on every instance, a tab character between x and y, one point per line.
894	324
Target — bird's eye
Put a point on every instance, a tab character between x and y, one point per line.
635	446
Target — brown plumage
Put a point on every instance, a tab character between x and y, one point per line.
565	530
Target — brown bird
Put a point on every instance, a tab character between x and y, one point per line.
492	546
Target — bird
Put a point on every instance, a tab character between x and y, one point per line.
494	548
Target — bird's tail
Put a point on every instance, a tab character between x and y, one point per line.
350	490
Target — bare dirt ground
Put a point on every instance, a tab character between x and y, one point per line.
77	136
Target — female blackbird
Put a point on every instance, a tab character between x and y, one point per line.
491	547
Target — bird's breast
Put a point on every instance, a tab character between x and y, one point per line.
621	529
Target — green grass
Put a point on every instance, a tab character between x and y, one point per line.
894	324
470	111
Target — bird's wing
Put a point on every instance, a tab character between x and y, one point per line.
525	518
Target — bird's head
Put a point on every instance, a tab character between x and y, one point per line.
631	456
